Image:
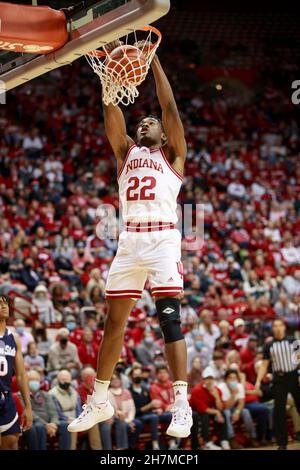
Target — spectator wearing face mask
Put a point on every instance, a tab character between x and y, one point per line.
45	418
76	332
233	361
32	359
146	349
88	349
71	324
207	404
63	354
69	407
29	276
145	407
25	336
120	369
233	397
43	304
199	349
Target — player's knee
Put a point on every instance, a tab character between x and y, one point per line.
168	312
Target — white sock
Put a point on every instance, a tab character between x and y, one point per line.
100	390
180	391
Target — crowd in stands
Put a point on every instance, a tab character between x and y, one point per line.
56	169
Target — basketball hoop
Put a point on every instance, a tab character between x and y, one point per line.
124	68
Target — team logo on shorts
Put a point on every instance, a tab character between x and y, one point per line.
168	310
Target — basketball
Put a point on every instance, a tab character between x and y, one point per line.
127	64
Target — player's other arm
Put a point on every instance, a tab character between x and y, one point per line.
115	129
22	381
170	116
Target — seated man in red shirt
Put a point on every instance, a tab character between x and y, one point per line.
162	392
206	403
258	410
248	356
86	385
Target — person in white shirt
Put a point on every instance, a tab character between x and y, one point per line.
233	397
292	283
25	336
209	330
290	253
236	189
198	349
44	305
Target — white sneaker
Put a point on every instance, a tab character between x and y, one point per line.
92	414
225	445
211	446
182	421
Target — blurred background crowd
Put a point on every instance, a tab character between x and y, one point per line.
56	169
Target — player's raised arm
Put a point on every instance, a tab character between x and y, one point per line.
115	129
22	381
170	116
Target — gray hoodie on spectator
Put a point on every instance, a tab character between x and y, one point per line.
43	408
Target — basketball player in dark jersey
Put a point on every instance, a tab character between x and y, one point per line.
11	361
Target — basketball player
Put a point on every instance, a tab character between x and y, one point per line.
150	174
11	360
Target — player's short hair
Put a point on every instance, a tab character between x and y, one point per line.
5	298
150	116
8	300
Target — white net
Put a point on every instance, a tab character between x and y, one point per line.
126	66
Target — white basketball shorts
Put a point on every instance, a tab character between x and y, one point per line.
155	256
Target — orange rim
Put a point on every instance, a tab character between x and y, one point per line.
102	54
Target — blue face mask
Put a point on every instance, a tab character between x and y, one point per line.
233	384
195	332
34	385
71	325
199	344
20	330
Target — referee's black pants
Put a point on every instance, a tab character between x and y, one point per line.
283	384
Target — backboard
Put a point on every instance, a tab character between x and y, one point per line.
91	24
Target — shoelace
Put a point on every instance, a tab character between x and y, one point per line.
87	407
180	415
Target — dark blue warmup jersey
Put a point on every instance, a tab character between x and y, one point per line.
9	422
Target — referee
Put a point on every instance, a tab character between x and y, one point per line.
286	378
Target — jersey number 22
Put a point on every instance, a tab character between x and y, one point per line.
139	188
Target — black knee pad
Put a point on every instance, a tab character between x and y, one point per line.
169	318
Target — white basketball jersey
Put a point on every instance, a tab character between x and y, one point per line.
148	186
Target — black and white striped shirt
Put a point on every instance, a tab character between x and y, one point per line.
280	353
